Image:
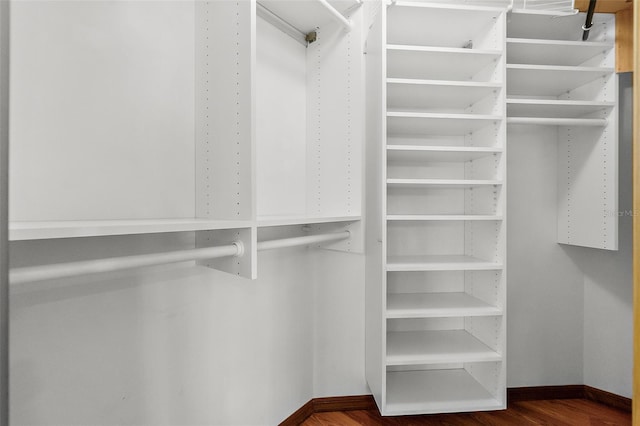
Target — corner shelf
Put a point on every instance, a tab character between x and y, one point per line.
437	305
436	347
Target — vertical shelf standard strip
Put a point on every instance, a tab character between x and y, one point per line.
636	219
4	216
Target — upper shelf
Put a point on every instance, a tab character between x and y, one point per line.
429	24
523	24
22	231
441	63
307	15
547	80
554	52
96	228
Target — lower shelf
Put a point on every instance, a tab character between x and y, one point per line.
436	347
440	263
436	391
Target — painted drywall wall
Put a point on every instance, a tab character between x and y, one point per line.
608	280
569	308
339	331
545	287
161	346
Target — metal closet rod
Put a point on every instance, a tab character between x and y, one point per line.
292	30
235	249
346	23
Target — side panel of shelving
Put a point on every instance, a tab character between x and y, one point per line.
375	201
335	70
244	265
225	109
588	185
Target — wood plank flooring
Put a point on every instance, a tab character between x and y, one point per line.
558	412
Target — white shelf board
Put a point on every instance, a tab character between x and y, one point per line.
553	52
544	108
266	221
441	217
439	153
448	6
551	121
436	391
430	24
440	63
307	15
437	305
425	95
547	80
442	183
436	347
96	228
440	263
414	123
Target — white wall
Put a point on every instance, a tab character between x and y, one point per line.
165	346
339	334
569	308
608	281
544	286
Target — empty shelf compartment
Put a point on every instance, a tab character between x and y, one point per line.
436	305
443	96
437	63
428	25
437	391
409	123
436	347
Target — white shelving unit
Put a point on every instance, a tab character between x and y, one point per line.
171	125
555	79
436	283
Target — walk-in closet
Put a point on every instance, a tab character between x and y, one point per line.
218	212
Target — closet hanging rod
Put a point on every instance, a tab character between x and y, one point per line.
281	24
346	23
303	241
71	269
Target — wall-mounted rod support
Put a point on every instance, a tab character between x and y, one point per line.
303	241
589	21
71	269
346	23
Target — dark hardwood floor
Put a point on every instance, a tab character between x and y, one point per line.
558	412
